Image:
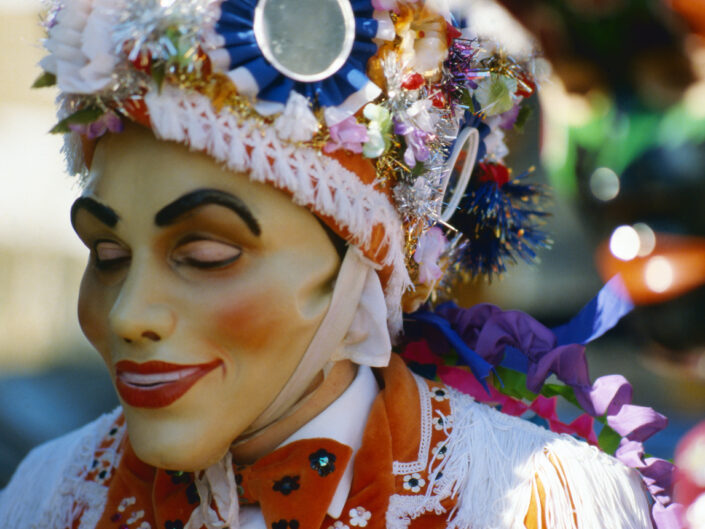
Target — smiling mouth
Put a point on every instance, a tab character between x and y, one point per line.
157	384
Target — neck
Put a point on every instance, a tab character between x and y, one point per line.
324	392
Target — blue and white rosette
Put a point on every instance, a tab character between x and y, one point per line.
342	93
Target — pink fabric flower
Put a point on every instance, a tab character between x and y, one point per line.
348	134
431	245
108	122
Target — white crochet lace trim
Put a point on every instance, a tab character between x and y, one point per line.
492	466
314	180
49	490
426	430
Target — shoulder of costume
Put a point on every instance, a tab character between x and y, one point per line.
482	468
49	487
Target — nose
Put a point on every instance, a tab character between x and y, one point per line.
140	313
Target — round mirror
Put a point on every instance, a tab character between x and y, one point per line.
306	40
459	170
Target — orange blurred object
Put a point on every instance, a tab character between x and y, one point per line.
676	265
693	11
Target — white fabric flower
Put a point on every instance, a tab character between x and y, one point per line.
297	122
359	516
80	46
440	450
338	525
442	422
125	503
134	517
439	394
494	142
414	482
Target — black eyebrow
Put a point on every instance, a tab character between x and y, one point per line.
200	197
100	211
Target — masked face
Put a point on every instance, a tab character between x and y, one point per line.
202	292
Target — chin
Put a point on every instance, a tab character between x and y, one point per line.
175	444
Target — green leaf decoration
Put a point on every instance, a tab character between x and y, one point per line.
524	114
418	170
158	74
552	390
513	384
608	440
44	80
466	100
81	117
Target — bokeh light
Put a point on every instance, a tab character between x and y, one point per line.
604	184
625	243
658	274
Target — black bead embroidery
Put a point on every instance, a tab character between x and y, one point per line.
173	524
284	524
322	462
287	485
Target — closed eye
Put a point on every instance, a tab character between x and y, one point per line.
206	253
109	254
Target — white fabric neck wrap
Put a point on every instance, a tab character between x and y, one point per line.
353	328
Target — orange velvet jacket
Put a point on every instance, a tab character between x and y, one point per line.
420	466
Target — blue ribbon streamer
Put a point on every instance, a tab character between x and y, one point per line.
478	365
600	315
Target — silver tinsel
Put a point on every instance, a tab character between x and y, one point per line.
163	29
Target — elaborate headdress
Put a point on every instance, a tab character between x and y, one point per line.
371	113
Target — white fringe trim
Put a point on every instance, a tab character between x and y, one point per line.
49	490
314	180
492	466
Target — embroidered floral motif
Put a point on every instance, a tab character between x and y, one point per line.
125	503
338	525
359	516
284	524
414	482
439	451
286	485
442	423
439	394
322	462
134	517
144	525
116	517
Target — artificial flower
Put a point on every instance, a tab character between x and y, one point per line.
416	139
359	516
423	46
495	94
495	146
347	134
108	122
297	122
80	48
430	247
378	130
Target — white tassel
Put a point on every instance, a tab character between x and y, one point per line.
494	461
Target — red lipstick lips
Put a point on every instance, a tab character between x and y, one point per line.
157	384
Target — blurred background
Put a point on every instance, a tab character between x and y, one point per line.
618	132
